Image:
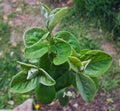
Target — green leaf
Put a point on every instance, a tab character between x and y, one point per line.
32	36
95	79
65	80
45	11
86	86
45	62
33	61
57	71
75	54
27	81
45	94
63	52
55	16
45	78
75	63
20	83
46	35
82	52
63	100
37	50
70	39
26	66
99	64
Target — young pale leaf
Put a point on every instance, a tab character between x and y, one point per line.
32	36
86	86
20	83
32	73
45	11
84	64
99	64
65	80
45	78
70	39
45	94
56	16
75	63
63	52
37	50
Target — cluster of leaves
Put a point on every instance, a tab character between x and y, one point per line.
56	63
107	13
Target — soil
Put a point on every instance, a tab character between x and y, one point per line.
23	21
102	102
111	49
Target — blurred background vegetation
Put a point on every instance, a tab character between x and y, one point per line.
96	23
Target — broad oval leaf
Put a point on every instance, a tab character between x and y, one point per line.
45	11
20	83
45	94
70	39
32	36
45	78
57	71
45	62
65	80
63	51
55	16
95	79
37	50
99	64
86	86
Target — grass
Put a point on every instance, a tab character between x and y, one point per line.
8	56
12	15
111	80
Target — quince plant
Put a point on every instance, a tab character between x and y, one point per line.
56	63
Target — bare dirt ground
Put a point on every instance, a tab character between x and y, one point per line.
100	103
23	14
21	20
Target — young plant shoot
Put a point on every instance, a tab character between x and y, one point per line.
56	63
